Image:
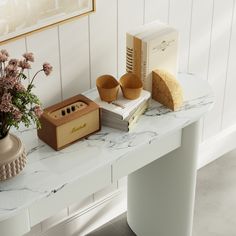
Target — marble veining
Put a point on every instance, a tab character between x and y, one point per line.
33	149
126	140
48	172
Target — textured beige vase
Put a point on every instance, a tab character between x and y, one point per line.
12	157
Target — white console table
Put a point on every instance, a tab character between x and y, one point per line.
159	156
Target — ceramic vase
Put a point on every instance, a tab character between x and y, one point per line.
12	156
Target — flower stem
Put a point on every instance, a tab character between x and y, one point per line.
34	78
1	69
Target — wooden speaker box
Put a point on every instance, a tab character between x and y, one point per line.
68	121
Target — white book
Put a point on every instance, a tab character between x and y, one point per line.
127	123
152	46
122	107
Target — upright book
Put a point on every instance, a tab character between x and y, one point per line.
149	47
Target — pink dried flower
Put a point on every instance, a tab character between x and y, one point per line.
38	111
17	114
29	56
1	82
5	52
47	68
13	62
24	64
20	87
6	97
9	82
6	104
11	70
19	104
3	57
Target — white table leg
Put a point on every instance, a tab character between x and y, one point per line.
161	194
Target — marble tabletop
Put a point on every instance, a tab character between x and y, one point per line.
48	171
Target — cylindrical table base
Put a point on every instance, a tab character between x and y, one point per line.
161	194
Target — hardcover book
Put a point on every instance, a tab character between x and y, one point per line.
128	123
149	47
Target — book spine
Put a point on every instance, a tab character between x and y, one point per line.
149	67
137	57
115	126
129	53
145	67
133	120
138	112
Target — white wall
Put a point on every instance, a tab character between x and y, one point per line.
95	44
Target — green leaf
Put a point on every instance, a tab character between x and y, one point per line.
23	76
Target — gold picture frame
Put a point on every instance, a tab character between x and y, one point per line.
19	18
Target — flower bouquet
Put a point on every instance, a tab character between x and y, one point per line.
18	104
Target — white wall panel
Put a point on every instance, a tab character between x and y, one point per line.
103	39
15	48
218	63
229	112
156	10
200	37
44	45
130	15
180	18
74	54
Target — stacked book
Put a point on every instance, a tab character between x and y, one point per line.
121	114
150	47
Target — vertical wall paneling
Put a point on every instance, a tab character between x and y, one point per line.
74	57
180	18
229	111
15	48
46	49
221	29
200	37
130	15
156	10
103	39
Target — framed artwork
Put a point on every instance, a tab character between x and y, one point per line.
22	17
